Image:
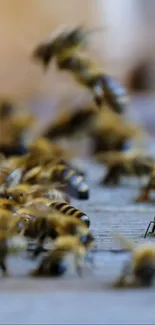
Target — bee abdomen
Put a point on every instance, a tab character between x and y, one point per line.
115	94
76	185
69	210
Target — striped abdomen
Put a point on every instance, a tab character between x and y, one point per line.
69	210
76	185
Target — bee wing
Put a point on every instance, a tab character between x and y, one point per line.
125	241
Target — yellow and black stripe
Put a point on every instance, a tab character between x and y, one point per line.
75	184
69	210
104	87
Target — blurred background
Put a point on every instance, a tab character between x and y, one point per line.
125	45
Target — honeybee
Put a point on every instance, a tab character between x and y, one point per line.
140	269
48	224
129	163
111	132
65	48
54	263
65	39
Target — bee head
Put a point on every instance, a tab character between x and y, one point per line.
43	53
144	267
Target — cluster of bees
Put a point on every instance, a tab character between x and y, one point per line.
37	181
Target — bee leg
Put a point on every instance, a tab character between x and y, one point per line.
3	267
39	248
112	177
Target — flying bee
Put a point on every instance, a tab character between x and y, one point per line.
140	269
54	263
65	40
69	210
129	163
65	48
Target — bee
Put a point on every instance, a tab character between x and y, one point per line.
54	263
66	50
111	132
46	224
129	163
69	210
145	192
65	39
140	269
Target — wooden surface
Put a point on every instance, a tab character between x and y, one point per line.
89	300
